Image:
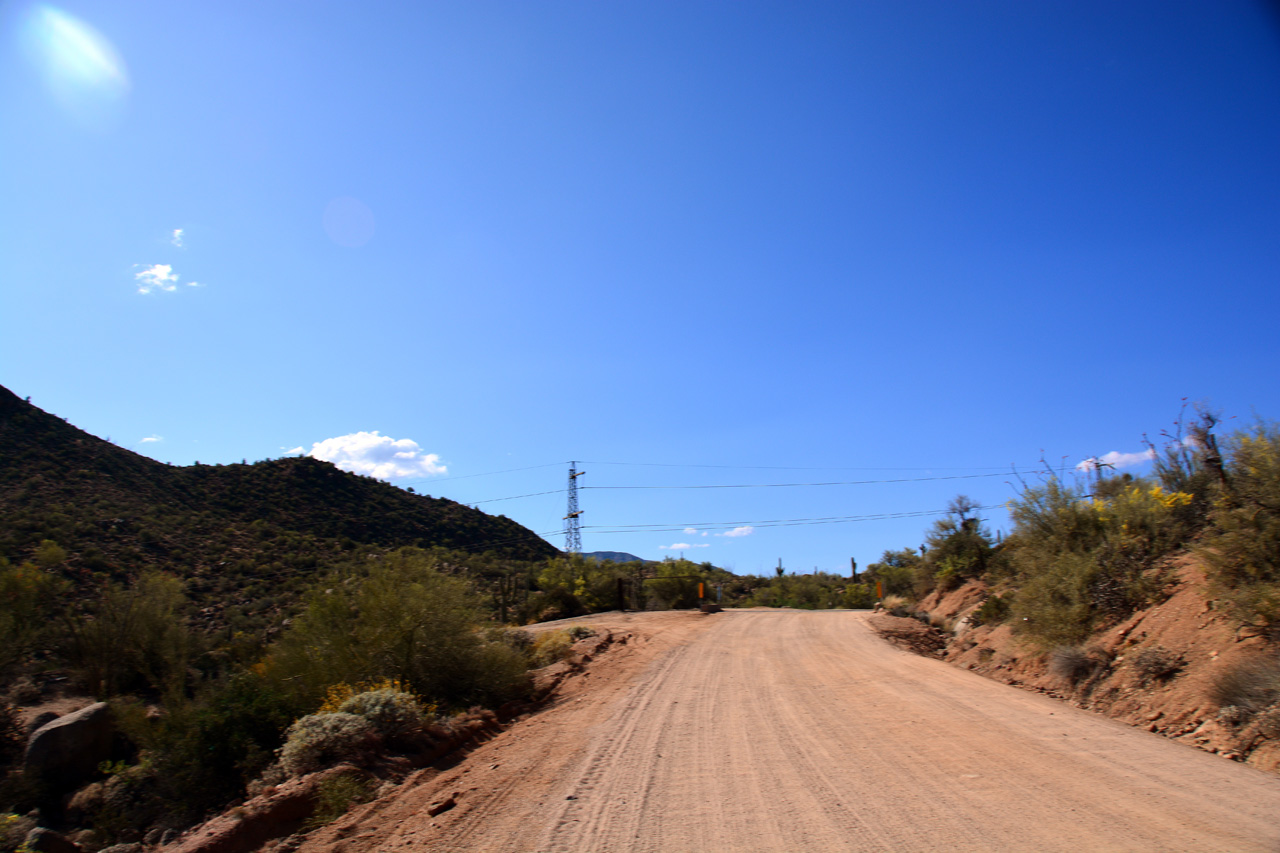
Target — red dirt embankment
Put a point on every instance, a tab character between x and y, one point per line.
1186	627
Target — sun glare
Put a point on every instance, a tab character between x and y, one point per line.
84	71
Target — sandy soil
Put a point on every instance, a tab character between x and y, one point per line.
766	730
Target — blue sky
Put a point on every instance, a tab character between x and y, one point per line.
860	241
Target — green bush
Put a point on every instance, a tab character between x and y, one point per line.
993	610
1243	546
336	795
317	741
398	618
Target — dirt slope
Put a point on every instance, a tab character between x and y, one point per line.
1187	627
793	730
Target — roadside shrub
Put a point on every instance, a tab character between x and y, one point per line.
550	647
1243	545
580	632
895	605
336	796
993	610
317	741
1252	684
393	713
1071	663
858	596
399	618
1156	664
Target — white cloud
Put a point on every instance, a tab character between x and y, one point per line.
691	530
152	439
176	239
1116	459
376	455
682	546
157	277
738	531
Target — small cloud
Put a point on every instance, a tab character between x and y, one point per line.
376	455
194	284
176	238
152	439
156	277
746	530
682	546
1116	459
691	530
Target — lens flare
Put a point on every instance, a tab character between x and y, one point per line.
84	72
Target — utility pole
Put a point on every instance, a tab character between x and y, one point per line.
573	532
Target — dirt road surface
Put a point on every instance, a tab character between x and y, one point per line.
765	730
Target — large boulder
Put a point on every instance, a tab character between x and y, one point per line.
67	751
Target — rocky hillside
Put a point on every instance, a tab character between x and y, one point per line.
114	514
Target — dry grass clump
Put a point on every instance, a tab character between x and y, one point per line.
1157	664
895	604
1072	663
1252	685
550	647
335	797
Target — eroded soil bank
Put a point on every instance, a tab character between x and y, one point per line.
1155	670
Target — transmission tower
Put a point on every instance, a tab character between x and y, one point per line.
572	532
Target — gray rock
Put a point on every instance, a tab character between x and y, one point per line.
68	750
48	841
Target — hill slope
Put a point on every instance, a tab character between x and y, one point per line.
117	513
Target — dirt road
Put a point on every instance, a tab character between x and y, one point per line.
802	731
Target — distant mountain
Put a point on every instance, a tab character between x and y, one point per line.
117	513
614	556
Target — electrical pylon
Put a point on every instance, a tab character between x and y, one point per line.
572	531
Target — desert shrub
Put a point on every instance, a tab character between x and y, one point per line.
134	637
393	713
1071	663
993	610
549	647
858	596
30	604
336	795
317	741
1156	664
896	605
1252	685
1242	547
580	632
1083	559
519	639
397	617
203	751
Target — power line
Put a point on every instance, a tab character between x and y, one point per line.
776	522
834	483
805	468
